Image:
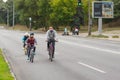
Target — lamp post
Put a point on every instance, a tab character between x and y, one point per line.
7	14
13	14
4	0
30	19
7	17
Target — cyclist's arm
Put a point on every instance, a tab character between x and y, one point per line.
27	42
23	39
47	36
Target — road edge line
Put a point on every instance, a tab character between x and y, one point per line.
9	65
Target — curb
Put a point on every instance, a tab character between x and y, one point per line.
11	71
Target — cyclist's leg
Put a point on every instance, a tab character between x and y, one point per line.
34	49
24	44
53	48
48	43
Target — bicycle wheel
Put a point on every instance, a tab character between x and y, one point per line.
32	56
51	52
25	50
51	58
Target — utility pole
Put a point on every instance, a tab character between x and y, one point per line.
7	14
7	18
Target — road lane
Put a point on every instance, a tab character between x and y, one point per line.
65	66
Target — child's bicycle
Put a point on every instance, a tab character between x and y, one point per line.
31	55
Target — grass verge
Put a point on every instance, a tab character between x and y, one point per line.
4	69
115	36
99	36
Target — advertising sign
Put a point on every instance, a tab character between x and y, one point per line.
102	9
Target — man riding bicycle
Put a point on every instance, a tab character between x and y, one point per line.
51	37
31	41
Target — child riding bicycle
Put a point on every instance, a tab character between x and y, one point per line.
31	41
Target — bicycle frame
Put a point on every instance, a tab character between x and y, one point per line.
51	51
30	53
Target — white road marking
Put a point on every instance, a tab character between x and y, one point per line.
87	46
96	69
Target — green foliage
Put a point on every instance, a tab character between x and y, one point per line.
116	8
62	11
115	36
45	13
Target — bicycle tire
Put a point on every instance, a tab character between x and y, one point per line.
51	52
31	56
51	58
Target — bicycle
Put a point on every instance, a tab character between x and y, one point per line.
30	53
25	49
51	50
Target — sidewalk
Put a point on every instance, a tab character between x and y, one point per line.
109	34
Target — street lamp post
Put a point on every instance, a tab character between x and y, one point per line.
7	14
7	17
13	15
30	19
4	0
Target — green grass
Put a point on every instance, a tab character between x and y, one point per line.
115	36
4	69
99	36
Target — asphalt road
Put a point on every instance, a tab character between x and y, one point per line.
76	58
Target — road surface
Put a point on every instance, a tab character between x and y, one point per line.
76	58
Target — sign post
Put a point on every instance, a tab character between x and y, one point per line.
102	9
100	26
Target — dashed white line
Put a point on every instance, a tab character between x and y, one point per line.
91	67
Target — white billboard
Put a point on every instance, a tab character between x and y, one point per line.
102	9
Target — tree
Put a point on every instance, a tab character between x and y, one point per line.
62	12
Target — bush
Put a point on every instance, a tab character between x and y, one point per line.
115	36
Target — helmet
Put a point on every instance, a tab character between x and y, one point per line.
26	34
31	33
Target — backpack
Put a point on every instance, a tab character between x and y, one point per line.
51	34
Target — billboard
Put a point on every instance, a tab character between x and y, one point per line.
102	9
